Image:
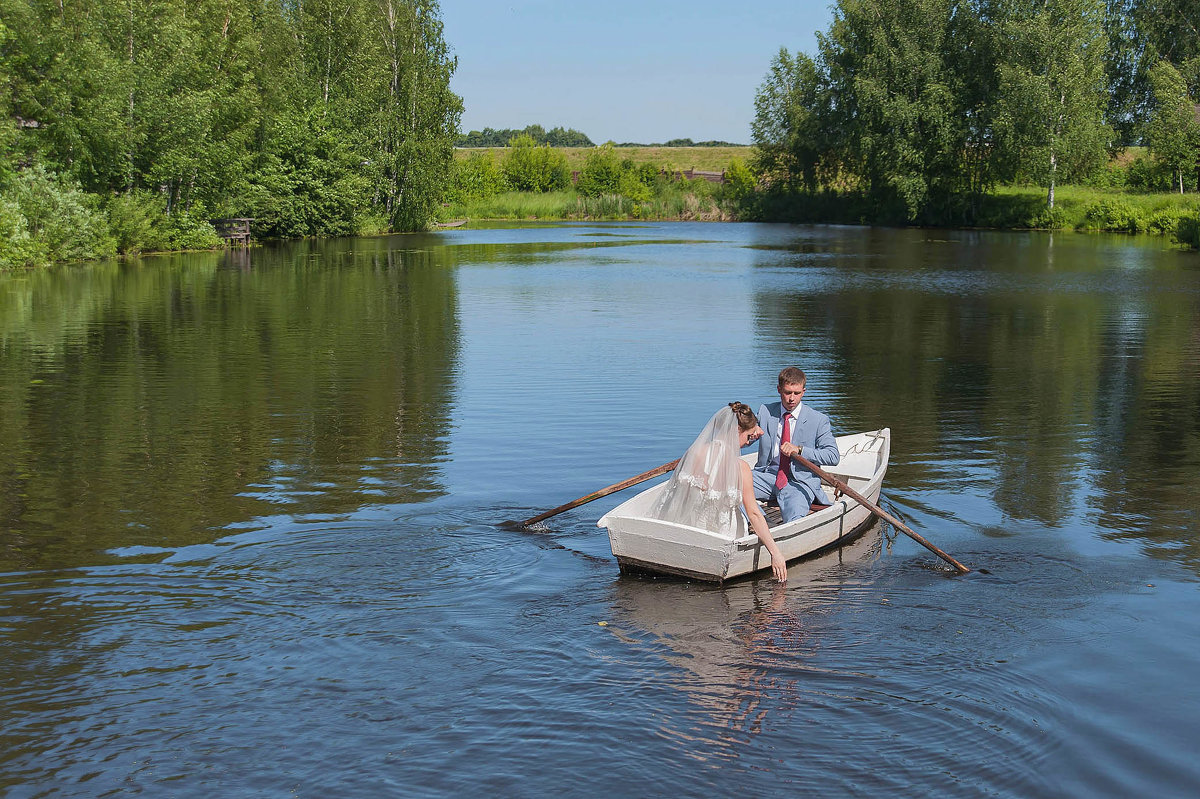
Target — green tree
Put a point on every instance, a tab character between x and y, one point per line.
64	221
1173	132
894	110
414	116
1052	96
8	128
475	177
530	167
601	173
790	111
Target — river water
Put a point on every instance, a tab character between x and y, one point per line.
252	511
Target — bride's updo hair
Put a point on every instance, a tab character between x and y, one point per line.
745	416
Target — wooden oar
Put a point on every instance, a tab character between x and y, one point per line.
878	511
604	492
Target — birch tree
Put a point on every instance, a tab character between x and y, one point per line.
893	105
1173	131
1052	88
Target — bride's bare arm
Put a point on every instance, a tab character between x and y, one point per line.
758	523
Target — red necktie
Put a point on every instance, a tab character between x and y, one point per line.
785	463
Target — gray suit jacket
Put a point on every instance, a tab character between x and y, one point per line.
811	432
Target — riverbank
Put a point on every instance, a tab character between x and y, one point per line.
91	231
1077	208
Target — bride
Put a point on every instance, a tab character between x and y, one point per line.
712	480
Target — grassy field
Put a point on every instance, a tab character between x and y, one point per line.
708	159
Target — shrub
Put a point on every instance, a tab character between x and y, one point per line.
1112	215
1165	220
601	173
739	180
529	167
191	230
137	221
639	182
1048	219
475	178
1187	231
1146	174
17	247
308	182
63	220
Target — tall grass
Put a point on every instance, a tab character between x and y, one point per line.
707	159
515	205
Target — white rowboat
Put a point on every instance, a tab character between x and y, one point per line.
652	545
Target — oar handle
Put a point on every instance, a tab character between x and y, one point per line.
878	511
603	492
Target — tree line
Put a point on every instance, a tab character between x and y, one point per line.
915	110
563	137
555	137
145	118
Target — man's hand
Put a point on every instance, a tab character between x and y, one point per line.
788	449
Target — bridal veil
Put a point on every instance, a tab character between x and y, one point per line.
705	490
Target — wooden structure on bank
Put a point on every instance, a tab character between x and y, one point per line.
234	230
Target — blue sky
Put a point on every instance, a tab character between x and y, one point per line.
622	70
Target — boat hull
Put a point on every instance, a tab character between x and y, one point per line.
642	544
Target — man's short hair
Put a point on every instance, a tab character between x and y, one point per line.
792	375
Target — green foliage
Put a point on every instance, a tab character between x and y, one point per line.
895	103
138	221
1142	33
1049	218
740	181
60	217
191	231
919	108
1052	95
791	120
1173	132
1165	221
517	205
555	137
1112	215
307	183
324	116
476	177
1082	208
601	173
1147	174
17	247
1187	232
530	167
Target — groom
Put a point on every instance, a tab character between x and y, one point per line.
789	428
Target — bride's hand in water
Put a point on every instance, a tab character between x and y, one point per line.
778	565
